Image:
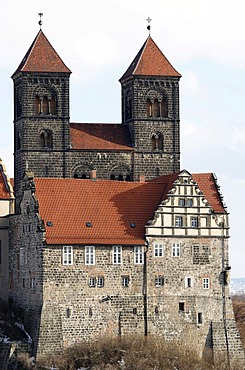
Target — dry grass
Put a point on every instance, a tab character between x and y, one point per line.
129	353
239	311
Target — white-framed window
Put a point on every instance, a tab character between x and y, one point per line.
125	281
117	254
100	282
194	222
178	221
22	256
159	281
92	282
176	250
181	202
89	255
206	283
138	255
67	255
188	282
158	250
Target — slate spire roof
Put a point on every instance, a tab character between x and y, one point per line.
41	57
150	61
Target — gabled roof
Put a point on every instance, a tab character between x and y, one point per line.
111	208
150	61
100	136
41	57
6	189
208	185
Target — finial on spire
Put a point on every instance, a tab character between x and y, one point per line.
149	26
40	22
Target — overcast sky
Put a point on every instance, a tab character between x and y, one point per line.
97	40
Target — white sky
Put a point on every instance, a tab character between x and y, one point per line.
97	40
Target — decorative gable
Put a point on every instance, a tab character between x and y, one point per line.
188	211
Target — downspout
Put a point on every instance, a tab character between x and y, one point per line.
223	291
145	289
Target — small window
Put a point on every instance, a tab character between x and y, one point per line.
159	281
181	306
68	313
199	318
33	283
117	254
23	283
125	281
178	221
22	256
176	250
138	255
37	105
188	282
158	250
205	283
53	105
67	255
194	222
92	282
149	108
181	202
89	255
100	282
189	202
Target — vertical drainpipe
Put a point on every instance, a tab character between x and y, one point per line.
223	291
145	289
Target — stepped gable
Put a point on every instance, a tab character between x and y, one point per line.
100	136
207	184
150	61
41	57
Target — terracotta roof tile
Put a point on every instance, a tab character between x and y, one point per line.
100	136
150	61
110	207
5	186
207	184
41	57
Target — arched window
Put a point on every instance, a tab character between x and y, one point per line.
42	140
153	142
45	105
53	105
149	107
156	108
49	140
37	104
159	142
164	108
113	177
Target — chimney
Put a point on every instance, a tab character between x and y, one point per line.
93	175
141	178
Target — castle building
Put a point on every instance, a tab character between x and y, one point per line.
110	237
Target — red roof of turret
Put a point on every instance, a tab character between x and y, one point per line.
150	61
41	57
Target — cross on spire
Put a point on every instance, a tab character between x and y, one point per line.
40	22
149	26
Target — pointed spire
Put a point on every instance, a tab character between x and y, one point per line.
41	57
150	61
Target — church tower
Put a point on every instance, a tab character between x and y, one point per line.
150	107
41	113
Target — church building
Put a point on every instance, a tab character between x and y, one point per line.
109	235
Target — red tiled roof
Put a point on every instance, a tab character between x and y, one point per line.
110	207
100	136
41	57
150	61
4	191
207	184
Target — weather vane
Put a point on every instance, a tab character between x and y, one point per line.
149	26
40	22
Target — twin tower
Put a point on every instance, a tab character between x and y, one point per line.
145	145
